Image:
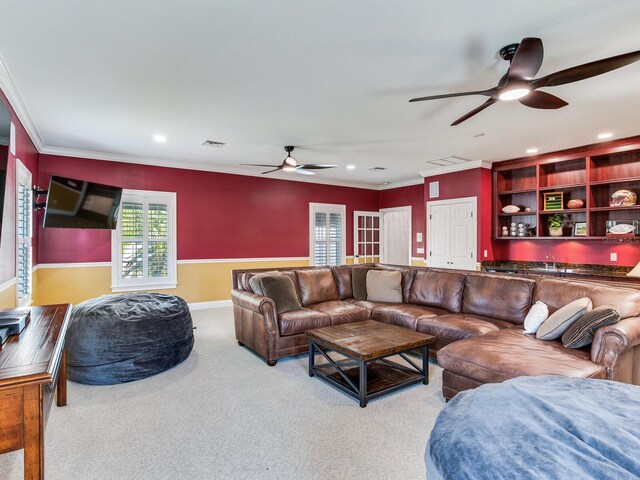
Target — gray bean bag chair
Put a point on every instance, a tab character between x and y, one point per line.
122	338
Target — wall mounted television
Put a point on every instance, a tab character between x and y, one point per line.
75	203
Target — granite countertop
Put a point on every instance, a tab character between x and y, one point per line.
577	269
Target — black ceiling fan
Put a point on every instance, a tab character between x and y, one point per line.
518	83
291	165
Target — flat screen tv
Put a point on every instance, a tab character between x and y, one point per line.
75	203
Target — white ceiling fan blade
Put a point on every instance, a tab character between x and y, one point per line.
302	171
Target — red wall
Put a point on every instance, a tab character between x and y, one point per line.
219	215
28	155
408	196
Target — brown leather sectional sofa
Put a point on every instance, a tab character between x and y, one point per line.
477	319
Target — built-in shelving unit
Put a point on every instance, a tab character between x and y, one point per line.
591	174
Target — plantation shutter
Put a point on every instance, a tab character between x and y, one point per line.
24	233
145	256
327	234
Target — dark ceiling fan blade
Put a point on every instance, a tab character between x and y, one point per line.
586	70
527	60
270	171
486	104
542	100
489	92
303	171
316	166
258	165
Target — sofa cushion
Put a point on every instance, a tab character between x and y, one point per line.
408	274
508	353
299	321
316	285
536	317
560	320
456	326
437	289
341	312
280	289
342	275
505	298
403	314
580	334
255	280
384	286
359	282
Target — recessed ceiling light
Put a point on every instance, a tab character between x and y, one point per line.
605	135
160	138
351	167
532	150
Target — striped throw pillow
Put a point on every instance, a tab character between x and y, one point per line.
581	332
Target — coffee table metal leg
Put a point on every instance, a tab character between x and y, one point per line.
425	364
312	356
363	384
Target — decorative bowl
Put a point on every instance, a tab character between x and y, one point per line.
511	209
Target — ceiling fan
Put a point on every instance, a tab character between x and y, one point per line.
291	165
518	83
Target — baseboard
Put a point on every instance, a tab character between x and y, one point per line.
213	304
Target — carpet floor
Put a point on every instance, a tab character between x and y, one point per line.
224	414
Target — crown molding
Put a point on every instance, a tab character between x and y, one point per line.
118	157
459	167
10	90
403	183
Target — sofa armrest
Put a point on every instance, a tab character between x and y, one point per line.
263	306
612	342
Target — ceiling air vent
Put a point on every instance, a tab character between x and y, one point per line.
445	162
212	143
377	169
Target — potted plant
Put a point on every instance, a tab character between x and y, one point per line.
555	224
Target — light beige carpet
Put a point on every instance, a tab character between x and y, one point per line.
224	414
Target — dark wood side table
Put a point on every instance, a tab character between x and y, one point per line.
367	373
32	364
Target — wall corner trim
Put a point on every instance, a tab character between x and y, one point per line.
456	168
8	284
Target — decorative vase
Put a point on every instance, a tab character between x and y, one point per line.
555	231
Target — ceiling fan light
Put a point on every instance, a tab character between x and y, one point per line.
291	161
514	93
289	168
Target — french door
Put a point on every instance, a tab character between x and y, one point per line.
452	233
367	235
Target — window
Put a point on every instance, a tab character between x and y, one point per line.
144	243
327	234
24	209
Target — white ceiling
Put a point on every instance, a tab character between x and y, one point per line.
331	77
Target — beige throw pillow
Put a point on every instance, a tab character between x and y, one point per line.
384	286
561	320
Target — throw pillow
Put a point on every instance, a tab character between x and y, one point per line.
280	289
560	321
581	332
256	281
537	315
359	282
384	286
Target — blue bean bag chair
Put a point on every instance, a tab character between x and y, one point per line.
122	338
547	427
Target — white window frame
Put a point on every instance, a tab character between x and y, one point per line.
327	208
119	284
24	177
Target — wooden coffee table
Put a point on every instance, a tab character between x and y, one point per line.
367	373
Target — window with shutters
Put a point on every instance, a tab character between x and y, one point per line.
24	212
327	234
144	242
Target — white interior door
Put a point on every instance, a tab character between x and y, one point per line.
367	232
396	238
452	233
